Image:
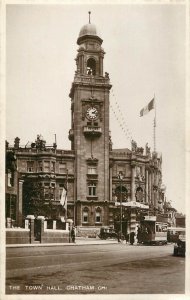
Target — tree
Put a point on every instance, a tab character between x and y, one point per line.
10	161
34	202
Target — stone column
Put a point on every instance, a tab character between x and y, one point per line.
156	192
31	220
147	187
20	200
54	224
101	66
45	225
133	182
133	220
110	198
152	183
82	65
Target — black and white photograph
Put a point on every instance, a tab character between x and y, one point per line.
94	187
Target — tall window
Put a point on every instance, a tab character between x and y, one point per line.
30	166
85	215
98	215
139	194
40	167
53	166
47	166
92	189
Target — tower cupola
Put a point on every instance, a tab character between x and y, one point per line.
90	53
88	31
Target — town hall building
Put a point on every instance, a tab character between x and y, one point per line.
104	186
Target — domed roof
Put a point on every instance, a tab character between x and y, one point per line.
88	30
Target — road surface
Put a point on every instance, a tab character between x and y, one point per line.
95	269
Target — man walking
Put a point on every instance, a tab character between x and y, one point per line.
73	234
132	238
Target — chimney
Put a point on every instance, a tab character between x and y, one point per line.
16	143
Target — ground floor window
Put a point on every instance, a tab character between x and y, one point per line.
98	217
85	215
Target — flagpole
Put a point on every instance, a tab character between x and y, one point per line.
66	195
154	124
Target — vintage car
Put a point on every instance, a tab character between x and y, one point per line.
179	247
107	232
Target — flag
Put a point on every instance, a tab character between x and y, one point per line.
63	200
147	108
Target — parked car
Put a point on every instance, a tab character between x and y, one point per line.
107	232
179	247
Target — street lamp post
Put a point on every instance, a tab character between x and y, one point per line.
120	176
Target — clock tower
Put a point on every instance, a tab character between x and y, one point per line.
89	133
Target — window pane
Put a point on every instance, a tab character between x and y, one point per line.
46	166
98	217
40	169
85	216
52	166
30	166
92	189
62	168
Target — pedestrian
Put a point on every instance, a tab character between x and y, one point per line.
73	234
119	236
127	238
132	238
139	234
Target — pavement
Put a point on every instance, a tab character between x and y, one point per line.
78	241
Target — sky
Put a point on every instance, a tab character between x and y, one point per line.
145	58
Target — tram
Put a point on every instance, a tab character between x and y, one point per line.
152	232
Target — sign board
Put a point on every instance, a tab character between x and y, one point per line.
150	218
133	204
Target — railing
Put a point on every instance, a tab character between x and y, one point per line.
91	79
42	151
92	130
123	154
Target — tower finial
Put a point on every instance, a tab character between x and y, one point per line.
89	16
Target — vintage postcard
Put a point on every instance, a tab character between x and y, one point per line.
94	129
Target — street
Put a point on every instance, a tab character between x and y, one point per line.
95	269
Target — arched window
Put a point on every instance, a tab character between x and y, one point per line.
85	215
91	66
98	215
139	194
121	193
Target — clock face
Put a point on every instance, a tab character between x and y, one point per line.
92	113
